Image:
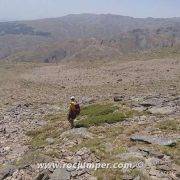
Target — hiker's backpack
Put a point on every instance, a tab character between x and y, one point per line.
78	109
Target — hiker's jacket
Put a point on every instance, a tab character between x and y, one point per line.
72	106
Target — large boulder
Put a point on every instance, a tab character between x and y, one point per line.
153	101
162	110
153	140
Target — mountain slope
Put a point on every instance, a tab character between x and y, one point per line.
49	40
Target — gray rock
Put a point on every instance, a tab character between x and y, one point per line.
118	98
60	174
162	110
147	103
153	140
83	132
153	101
50	141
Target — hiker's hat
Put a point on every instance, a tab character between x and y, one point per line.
72	97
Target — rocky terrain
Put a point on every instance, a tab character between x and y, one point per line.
130	113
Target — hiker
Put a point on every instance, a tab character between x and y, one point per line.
74	110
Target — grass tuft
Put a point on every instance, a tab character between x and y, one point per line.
98	109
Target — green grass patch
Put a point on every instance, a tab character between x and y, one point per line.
100	119
98	109
98	114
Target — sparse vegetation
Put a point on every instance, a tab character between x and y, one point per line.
38	136
173	152
110	132
169	125
33	157
95	145
54	153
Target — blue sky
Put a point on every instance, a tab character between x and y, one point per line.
35	9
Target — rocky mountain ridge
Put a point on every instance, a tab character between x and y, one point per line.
55	37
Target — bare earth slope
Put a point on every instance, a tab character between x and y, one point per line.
101	79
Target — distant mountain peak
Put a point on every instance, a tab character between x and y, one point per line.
58	38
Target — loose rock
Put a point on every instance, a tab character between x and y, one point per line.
153	140
50	141
118	98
